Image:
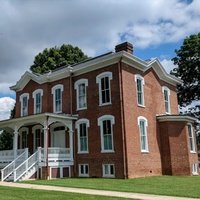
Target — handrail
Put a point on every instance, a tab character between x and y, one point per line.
8	170
26	165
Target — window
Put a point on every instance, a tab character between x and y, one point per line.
191	138
142	123
81	94
103	80
37	95
108	170
38	137
23	137
57	98
24	104
82	130
195	168
166	94
140	89
106	129
84	170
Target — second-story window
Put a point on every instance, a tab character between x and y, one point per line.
140	89
166	95
24	104
81	93
37	95
103	80
57	98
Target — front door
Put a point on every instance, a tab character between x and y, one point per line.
59	139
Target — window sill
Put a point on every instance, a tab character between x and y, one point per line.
143	151
107	151
83	152
108	176
79	109
84	175
195	173
193	152
142	106
105	104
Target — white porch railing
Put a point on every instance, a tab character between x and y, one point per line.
57	154
8	170
23	169
8	155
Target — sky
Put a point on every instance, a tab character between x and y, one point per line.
155	28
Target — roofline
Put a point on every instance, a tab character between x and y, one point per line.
93	64
179	118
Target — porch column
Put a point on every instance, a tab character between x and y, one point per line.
15	143
45	144
71	144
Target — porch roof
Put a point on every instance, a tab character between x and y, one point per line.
37	119
180	118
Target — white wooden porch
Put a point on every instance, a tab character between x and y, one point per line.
24	166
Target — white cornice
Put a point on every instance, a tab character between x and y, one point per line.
179	118
97	63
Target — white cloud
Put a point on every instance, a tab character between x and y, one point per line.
6	105
95	26
168	65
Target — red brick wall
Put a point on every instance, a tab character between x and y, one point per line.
144	164
176	156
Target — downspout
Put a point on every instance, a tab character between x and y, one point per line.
70	89
47	156
123	120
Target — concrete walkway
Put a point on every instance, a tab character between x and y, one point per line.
94	192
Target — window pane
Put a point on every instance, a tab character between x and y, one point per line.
106	170
107	135
143	135
83	137
139	92
105	90
111	169
82	95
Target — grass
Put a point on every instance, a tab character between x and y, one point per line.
163	185
8	193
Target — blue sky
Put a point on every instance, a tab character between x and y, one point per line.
155	28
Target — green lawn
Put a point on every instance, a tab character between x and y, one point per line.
8	193
164	185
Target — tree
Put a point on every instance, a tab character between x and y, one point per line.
187	61
56	57
6	140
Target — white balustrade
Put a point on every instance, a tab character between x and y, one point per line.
24	167
8	155
8	170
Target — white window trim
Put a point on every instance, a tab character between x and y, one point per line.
98	81
79	170
78	122
164	88
195	168
76	85
39	126
138	76
21	101
193	139
100	124
53	89
34	97
108	175
141	118
23	129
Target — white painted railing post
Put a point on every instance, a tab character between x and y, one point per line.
2	175
71	144
39	154
14	175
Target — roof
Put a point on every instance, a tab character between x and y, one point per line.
96	63
183	118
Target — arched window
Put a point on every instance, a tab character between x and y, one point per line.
103	80
57	98
166	95
37	96
140	89
106	123
142	123
24	104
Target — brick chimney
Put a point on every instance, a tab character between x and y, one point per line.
126	46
